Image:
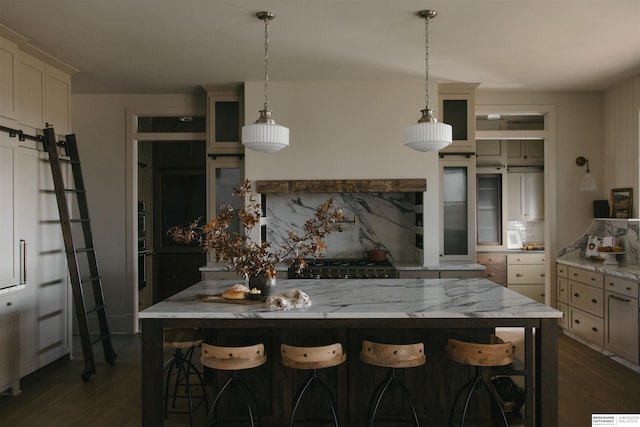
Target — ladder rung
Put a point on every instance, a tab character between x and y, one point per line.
79	220
97	308
86	280
84	250
101	338
74	190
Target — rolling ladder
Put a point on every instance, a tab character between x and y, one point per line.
80	251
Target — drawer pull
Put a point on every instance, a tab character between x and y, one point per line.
519	275
593	300
575	274
577	295
576	321
619	299
593	279
9	303
594	329
541	274
491	274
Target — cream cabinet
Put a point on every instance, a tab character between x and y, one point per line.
585	303
11	247
491	152
495	267
525	152
225	118
525	195
456	107
43	94
8	54
9	343
526	274
621	317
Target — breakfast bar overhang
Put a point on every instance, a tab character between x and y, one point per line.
428	306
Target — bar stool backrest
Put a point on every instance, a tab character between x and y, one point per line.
182	337
479	354
232	358
312	357
393	355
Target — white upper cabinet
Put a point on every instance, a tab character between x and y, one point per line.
525	153
8	52
10	259
526	195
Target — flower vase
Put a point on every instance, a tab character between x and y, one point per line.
265	284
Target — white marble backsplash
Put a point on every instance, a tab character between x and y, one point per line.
626	231
383	220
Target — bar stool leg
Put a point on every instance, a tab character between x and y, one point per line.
473	384
314	377
182	362
246	393
382	389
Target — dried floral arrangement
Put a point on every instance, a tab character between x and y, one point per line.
248	257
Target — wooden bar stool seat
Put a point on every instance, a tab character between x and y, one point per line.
234	359
313	359
184	341
392	356
480	356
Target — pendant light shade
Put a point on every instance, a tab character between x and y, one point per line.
265	135
428	134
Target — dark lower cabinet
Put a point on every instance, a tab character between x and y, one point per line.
175	272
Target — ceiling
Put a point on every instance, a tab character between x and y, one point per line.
173	46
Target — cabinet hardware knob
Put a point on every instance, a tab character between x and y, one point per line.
492	274
577	295
576	321
594	329
593	300
519	275
9	303
541	274
593	278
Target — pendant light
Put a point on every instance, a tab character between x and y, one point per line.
265	135
428	134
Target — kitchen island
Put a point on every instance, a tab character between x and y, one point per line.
350	310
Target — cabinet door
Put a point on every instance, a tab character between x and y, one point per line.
534	195
10	259
45	320
8	53
58	100
30	79
525	195
621	332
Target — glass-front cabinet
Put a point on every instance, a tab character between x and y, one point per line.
458	201
225	115
456	107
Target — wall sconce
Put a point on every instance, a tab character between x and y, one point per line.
588	182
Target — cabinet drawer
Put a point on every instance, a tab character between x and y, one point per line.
491	259
496	273
462	274
535	292
537	258
587	326
418	274
621	286
525	274
562	270
586	298
563	289
564	320
585	276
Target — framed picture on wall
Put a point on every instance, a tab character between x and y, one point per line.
621	202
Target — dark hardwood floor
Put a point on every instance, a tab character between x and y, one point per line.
56	396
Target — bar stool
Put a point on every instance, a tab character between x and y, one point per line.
480	356
391	356
184	341
234	359
313	359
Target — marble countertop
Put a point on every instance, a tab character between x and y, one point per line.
625	271
360	299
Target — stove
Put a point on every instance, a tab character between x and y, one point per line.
343	268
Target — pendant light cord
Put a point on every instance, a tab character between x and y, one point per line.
426	62
266	64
